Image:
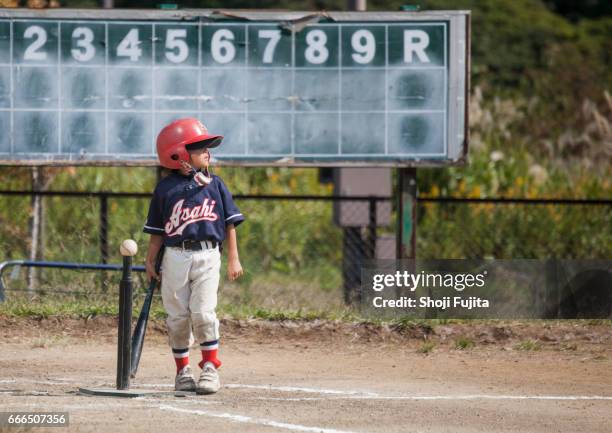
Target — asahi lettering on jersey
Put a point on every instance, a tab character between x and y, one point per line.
182	209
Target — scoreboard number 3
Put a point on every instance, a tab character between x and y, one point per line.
84	37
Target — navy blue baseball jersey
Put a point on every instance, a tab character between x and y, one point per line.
181	209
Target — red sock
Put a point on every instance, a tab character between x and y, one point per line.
181	358
209	355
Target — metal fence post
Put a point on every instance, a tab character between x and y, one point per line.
104	228
372	229
406	221
124	341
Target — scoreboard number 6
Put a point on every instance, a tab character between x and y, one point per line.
221	46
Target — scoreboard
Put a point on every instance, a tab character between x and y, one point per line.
96	87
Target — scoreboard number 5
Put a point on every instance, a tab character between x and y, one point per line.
175	40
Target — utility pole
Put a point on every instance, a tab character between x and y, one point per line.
356	5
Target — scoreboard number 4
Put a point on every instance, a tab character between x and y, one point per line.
130	46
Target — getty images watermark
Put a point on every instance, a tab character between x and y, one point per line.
407	281
485	289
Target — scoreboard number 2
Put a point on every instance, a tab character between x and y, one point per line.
40	38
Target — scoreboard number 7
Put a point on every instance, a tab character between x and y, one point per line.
274	36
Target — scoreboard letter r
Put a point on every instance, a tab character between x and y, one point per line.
415	42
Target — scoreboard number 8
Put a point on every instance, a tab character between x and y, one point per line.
317	52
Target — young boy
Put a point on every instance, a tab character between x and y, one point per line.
191	214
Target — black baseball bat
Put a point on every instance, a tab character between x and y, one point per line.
141	326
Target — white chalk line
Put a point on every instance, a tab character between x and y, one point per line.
250	420
221	415
343	394
300	389
330	394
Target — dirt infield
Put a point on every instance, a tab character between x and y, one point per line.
323	377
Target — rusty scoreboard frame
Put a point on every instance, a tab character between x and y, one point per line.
94	87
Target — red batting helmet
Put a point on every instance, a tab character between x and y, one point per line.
175	139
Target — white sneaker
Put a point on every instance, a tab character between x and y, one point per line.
209	380
184	380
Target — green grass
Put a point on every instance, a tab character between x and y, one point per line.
92	306
426	348
464	343
528	345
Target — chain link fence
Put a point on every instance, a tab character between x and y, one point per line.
298	252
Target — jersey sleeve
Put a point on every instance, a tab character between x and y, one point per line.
155	220
232	214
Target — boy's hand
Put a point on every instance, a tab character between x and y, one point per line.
151	274
234	269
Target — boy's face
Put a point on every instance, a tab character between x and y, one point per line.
199	158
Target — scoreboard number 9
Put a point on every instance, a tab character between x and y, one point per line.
364	45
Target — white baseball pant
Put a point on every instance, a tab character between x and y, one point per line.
190	280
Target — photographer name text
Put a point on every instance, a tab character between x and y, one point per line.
443	303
